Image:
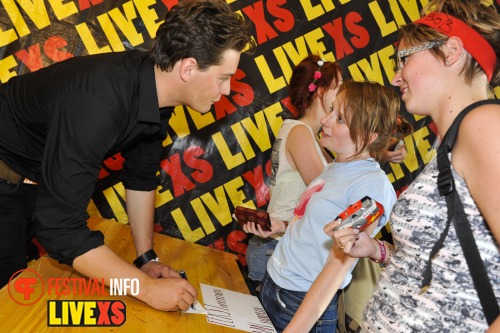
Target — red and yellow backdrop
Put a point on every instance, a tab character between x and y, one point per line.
216	161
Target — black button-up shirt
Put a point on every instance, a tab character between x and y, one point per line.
59	123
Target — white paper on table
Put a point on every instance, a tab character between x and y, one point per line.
196	308
233	309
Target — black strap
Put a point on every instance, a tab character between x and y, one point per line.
446	185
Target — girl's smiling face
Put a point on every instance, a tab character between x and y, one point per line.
336	136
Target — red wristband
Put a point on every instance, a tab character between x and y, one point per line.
383	253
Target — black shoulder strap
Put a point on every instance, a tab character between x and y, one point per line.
446	185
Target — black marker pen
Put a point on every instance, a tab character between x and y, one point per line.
184	276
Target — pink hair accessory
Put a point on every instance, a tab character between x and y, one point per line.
317	75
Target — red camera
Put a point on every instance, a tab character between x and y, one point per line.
360	214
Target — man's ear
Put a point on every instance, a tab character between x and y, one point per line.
454	48
187	67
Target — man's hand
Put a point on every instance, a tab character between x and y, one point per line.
168	294
159	270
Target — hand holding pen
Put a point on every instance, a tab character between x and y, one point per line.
184	276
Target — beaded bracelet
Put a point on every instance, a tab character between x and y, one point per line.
384	256
382	253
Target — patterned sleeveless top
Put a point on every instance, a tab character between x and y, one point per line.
450	302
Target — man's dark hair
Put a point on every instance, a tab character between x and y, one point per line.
201	29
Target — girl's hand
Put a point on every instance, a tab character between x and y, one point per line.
277	227
351	241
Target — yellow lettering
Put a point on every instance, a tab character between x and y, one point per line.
317	47
386	56
89	41
219	208
89	319
186	231
370	69
63	10
75	310
148	16
272	113
411	9
202	214
178	122
7	37
16	18
419	140
6	64
126	24
245	145
92	209
162	196
53	319
425	148
115	196
386	28
36	11
496	91
231	161
285	67
236	195
110	32
64	313
296	54
168	141
201	119
273	84
398	16
313	12
258	131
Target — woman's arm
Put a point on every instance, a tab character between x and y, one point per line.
303	154
329	280
321	292
476	158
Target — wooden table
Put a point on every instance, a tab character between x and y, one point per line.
202	265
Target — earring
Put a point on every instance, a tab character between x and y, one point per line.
447	63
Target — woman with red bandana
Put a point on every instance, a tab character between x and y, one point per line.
445	63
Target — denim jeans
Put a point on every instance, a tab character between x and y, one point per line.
17	206
281	304
258	253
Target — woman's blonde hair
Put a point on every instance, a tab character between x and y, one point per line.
369	107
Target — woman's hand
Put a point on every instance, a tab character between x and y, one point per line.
352	242
277	227
396	156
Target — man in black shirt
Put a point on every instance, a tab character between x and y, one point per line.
58	124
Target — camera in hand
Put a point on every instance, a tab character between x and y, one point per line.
360	214
258	216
